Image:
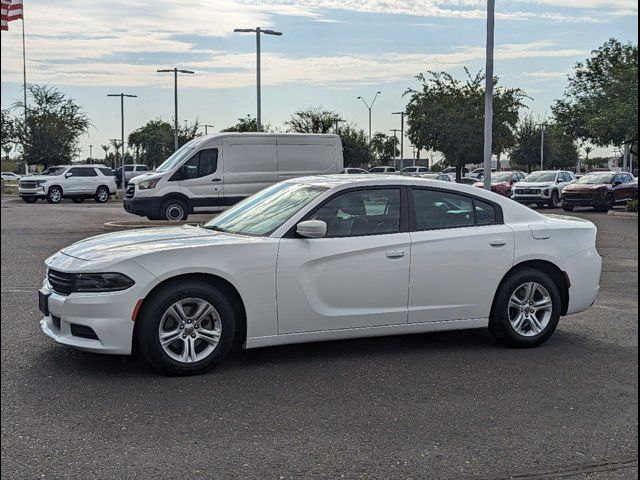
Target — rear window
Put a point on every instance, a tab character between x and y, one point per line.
142	168
106	172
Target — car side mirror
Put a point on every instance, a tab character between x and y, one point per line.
615	184
67	175
312	229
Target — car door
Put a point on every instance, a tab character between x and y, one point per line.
630	186
200	179
80	182
619	188
460	251
356	276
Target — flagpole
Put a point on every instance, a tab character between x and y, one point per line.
24	90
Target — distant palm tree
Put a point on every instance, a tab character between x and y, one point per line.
106	149
587	151
7	150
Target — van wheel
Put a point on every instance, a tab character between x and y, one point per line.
174	210
54	195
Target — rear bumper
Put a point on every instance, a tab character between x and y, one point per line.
584	270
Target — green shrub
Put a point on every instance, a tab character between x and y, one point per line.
632	206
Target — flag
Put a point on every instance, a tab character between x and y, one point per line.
10	10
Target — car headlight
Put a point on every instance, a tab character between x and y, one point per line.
148	184
546	192
102	282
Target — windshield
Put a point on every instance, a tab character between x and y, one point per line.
378	170
541	177
431	175
267	210
54	171
505	177
410	169
596	178
183	152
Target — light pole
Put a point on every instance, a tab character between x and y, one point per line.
395	138
90	152
206	132
369	107
402	114
488	94
542	127
175	72
121	95
337	122
258	31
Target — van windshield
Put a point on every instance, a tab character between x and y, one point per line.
178	156
264	212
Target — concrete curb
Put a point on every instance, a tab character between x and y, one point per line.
622	214
118	226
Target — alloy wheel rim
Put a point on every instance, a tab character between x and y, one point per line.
530	309
102	195
55	195
190	330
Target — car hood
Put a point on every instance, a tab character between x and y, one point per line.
146	176
534	184
585	187
132	243
33	178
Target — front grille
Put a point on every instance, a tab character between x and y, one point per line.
83	331
28	184
56	321
61	282
578	196
528	191
131	188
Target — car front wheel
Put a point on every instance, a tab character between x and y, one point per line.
526	310
29	199
186	328
554	200
54	195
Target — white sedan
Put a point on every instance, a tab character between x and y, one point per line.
323	258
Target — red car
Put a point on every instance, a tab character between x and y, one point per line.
600	190
502	182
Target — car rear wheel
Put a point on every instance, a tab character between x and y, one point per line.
526	310
102	195
186	328
174	210
54	195
29	199
567	208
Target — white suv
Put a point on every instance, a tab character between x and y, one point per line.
77	182
543	187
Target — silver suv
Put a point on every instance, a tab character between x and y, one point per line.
77	182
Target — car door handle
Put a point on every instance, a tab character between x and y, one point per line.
215	179
498	242
395	254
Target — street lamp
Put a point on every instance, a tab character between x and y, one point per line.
337	122
90	152
395	136
205	128
402	114
369	107
175	72
121	95
488	94
258	31
542	127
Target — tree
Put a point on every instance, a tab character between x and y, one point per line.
355	148
312	120
188	132
153	142
447	115
53	126
246	124
106	149
384	147
8	134
600	103
7	150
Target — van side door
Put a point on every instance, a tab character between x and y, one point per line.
200	179
249	165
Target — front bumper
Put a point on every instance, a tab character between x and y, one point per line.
108	315
541	197
37	192
590	201
144	207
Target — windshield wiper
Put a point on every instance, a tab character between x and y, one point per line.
214	228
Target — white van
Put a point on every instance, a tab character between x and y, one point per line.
216	171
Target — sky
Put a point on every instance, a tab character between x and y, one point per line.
331	52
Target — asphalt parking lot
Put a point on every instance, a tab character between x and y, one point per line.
447	405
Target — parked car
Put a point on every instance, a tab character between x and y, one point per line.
503	182
130	171
414	171
382	169
302	260
354	171
443	177
77	182
601	190
467	180
452	170
216	171
10	177
543	187
479	173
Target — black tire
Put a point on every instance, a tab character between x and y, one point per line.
567	208
554	200
102	195
174	210
54	195
539	205
500	324
29	199
148	326
77	200
609	203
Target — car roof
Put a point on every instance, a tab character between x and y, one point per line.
92	165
